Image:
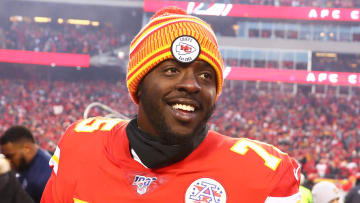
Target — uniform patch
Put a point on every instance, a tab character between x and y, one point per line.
142	183
185	49
205	190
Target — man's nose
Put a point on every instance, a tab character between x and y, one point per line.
189	83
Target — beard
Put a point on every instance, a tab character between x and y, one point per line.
164	131
23	165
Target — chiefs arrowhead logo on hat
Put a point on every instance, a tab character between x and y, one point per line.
185	49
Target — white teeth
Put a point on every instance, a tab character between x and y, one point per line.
183	107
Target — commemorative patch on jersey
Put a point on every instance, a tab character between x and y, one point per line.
205	190
142	183
185	49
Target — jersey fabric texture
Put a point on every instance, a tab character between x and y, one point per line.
93	163
36	176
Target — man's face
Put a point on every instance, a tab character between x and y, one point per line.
15	154
176	100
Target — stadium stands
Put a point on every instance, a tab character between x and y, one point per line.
64	38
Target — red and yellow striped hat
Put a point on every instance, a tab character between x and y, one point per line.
153	44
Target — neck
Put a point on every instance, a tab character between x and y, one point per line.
152	153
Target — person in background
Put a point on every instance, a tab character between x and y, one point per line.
10	188
353	196
27	159
166	153
306	196
325	192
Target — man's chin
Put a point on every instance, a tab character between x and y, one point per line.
175	138
179	136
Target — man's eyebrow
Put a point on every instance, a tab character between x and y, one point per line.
205	64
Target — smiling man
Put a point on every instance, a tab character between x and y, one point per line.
167	153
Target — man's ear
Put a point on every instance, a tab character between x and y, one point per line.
27	147
139	91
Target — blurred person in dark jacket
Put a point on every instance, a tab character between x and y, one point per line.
354	194
27	159
10	188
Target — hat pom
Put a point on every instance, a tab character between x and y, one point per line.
168	11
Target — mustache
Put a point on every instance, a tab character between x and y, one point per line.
184	96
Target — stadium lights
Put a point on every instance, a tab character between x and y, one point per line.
60	20
82	22
42	19
39	19
327	55
78	22
16	18
95	23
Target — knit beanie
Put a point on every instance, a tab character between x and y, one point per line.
324	192
172	34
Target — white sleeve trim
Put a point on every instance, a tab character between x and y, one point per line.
136	157
289	199
54	161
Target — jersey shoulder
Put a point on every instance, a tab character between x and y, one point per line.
90	131
96	125
84	139
240	143
269	166
273	157
284	170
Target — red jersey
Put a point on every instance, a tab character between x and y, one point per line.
93	163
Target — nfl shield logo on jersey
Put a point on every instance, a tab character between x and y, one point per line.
142	183
205	190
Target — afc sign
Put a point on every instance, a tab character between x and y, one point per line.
333	78
334	14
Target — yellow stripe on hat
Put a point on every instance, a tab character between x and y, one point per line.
149	54
169	17
156	59
148	31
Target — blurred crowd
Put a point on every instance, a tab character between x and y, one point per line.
302	3
322	132
48	108
63	38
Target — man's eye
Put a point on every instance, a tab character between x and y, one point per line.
171	70
205	76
